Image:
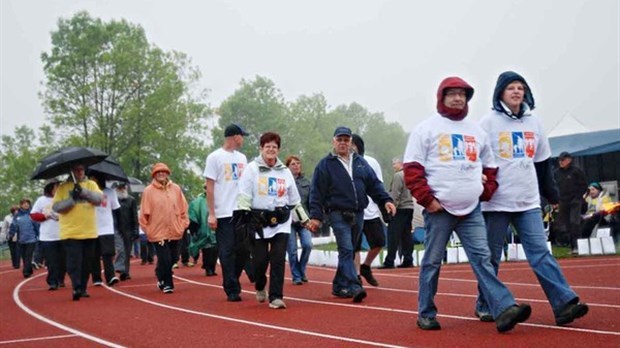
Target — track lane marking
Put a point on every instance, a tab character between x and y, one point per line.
22	340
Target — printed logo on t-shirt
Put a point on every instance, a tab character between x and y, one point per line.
457	147
270	186
516	144
233	171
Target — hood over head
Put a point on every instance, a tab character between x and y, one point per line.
453	82
503	80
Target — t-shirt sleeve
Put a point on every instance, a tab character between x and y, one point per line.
37	207
543	149
415	152
210	171
113	200
486	152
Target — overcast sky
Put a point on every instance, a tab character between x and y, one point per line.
388	56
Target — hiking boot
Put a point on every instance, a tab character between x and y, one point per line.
428	324
367	274
261	295
512	316
277	304
570	312
484	316
359	295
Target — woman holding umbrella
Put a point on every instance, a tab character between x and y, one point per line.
75	201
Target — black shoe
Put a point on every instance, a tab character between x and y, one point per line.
61	285
53	288
344	293
298	282
85	294
125	276
384	266
428	324
160	285
359	295
405	265
113	281
512	316
484	316
304	279
570	312
233	298
210	273
366	272
76	295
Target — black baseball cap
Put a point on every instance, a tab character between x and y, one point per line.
234	129
342	131
564	155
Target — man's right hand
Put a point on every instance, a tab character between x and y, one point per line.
313	225
76	193
212	221
434	207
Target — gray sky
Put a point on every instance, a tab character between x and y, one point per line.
389	56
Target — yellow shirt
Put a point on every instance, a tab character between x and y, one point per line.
80	222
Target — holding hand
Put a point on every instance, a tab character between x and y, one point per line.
76	193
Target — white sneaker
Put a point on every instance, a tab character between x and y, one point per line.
261	295
97	283
277	304
113	281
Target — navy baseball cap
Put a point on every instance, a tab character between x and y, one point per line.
234	129
342	131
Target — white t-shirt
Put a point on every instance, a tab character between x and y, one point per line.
105	221
453	154
268	190
517	145
225	168
49	230
372	210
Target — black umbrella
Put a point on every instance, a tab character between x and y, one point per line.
61	161
110	169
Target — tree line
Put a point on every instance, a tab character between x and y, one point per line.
106	86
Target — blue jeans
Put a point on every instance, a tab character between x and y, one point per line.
529	226
347	236
472	233
298	265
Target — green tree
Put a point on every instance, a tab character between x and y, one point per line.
107	87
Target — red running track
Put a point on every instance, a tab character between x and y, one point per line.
136	314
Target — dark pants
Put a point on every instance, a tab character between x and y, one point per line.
79	256
14	250
26	251
54	255
147	249
104	250
209	259
167	254
270	252
569	219
37	255
588	225
399	234
233	257
127	244
183	248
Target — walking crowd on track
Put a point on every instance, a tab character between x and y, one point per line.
475	179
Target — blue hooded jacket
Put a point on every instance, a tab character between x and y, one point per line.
503	81
26	229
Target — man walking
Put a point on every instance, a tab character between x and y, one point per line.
341	184
222	171
126	229
572	185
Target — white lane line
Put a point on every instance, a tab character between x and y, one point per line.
252	323
37	339
404	311
55	323
9	271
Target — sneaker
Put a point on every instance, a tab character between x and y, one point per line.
342	293
35	265
210	273
304	279
233	298
98	283
386	266
484	316
175	266
277	304
85	294
428	324
125	276
53	288
160	285
113	281
189	264
405	265
575	251
366	272
570	312
143	263
261	295
297	282
168	290
512	316
77	294
359	295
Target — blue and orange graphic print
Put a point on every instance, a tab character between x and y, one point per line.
270	186
232	171
457	147
516	144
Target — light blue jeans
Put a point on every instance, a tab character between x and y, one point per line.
298	264
472	233
347	235
529	226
